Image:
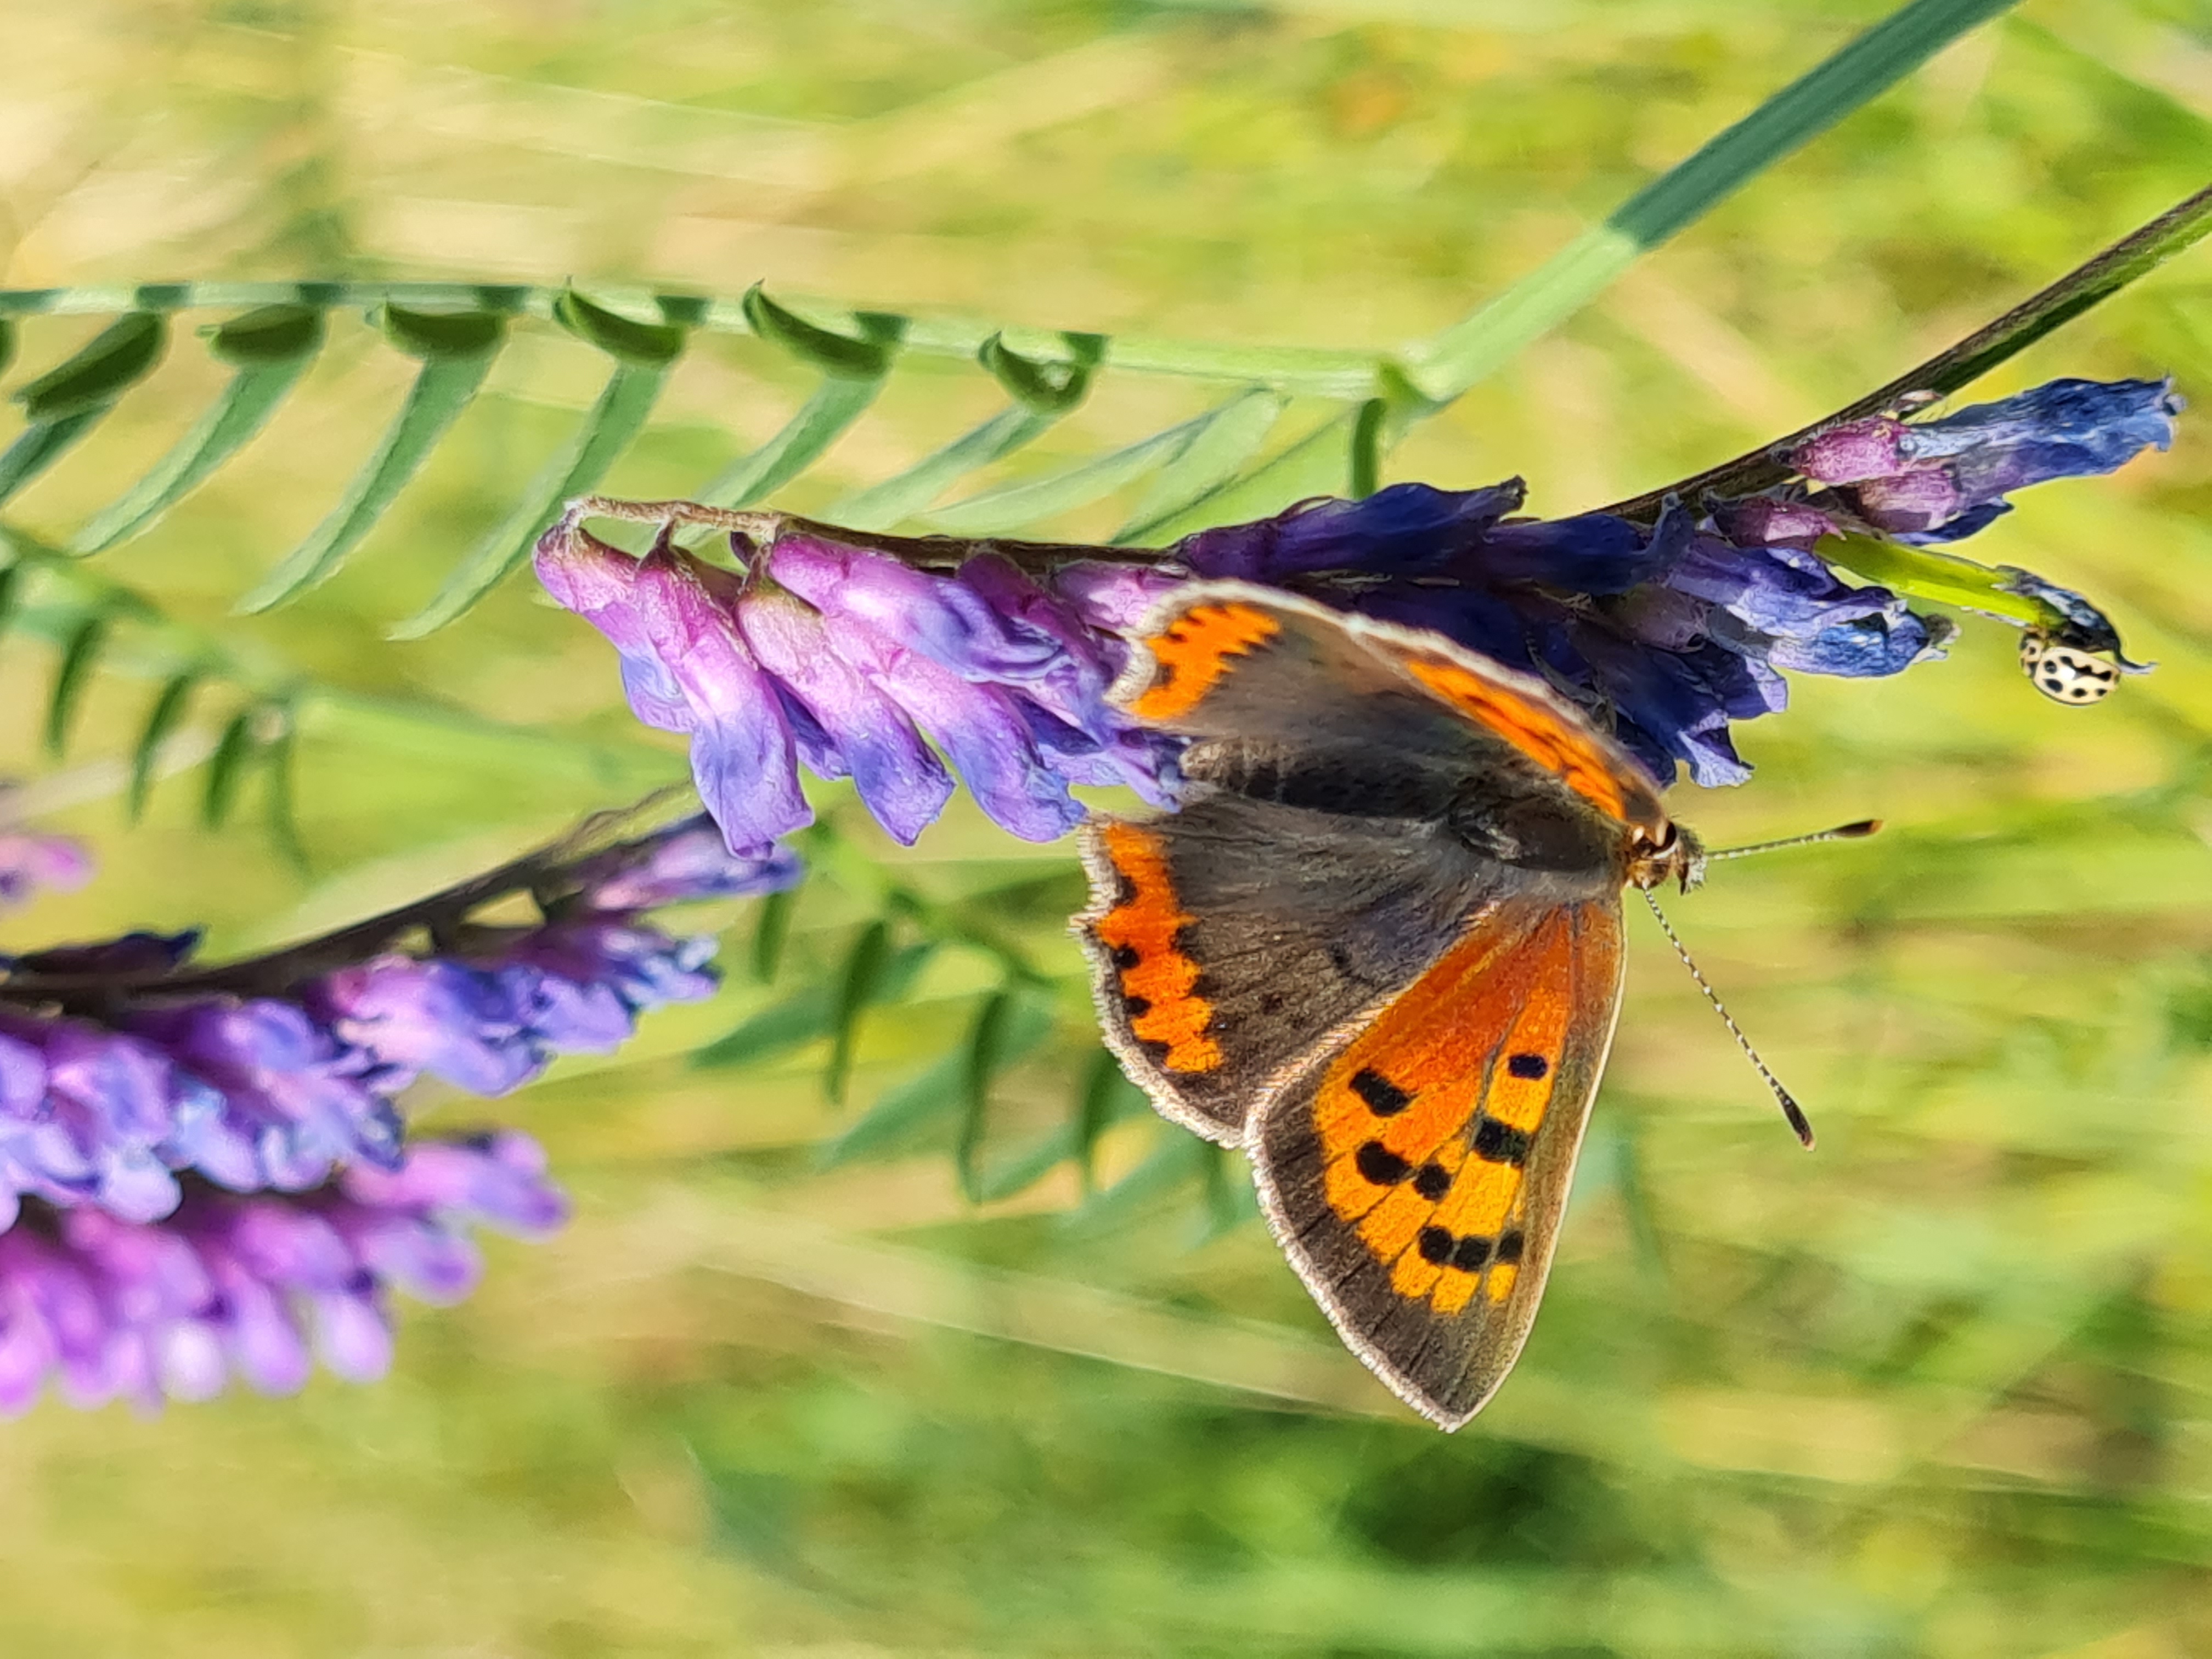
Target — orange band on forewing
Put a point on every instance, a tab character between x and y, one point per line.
1146	927
1194	652
1536	731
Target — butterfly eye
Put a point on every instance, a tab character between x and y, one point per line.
1667	837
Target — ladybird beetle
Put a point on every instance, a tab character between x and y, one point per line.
2064	674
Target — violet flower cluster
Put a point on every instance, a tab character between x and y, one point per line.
198	1166
828	649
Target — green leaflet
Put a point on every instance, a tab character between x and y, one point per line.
905	493
771	929
271	349
458	351
1035	499
859	984
610	427
809	1014
1232	437
913	1115
162	718
103	370
1318	464
80	655
38	447
838	402
225	766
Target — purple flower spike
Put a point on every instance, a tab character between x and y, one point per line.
29	862
689	861
843	657
859	730
944	621
1940	480
449	1019
253	1288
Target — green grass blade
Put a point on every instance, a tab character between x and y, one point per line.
446	385
820	421
1103	1097
243	407
1474	347
162	718
1232	437
2135	255
280	797
902	496
606	431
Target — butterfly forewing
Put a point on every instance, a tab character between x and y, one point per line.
1416	1177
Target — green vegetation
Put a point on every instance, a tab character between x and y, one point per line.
983	1358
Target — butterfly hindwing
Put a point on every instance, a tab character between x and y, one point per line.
1416	1176
1234	938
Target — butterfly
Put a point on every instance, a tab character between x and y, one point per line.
1379	948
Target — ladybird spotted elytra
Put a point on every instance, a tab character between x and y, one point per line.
2065	674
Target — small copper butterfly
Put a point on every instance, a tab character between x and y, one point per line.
1379	948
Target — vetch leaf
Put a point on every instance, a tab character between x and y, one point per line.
902	1115
1101	1100
857	985
906	493
1317	464
838	402
771	929
652	345
80	655
605	431
800	1018
231	752
1033	500
108	365
39	447
867	358
458	351
1231	436
778	1030
272	348
278	799
1043	387
162	717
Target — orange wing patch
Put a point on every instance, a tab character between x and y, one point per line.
1428	1118
1158	981
1194	652
1536	731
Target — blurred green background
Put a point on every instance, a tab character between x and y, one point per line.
1944	1387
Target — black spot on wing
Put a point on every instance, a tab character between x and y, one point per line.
1379	1164
1384	1098
1501	1143
1432	1182
1529	1066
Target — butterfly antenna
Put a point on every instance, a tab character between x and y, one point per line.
1841	832
1791	1108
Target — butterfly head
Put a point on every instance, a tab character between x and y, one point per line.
1664	852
